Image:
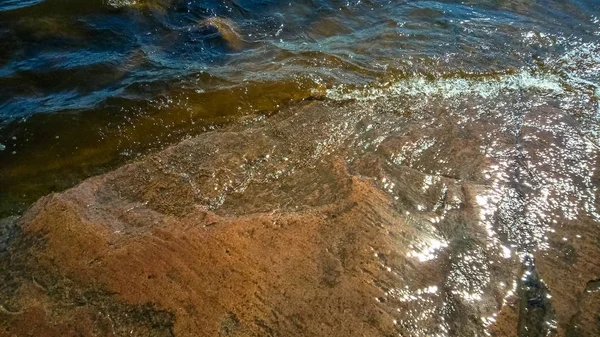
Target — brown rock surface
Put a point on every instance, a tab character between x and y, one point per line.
328	219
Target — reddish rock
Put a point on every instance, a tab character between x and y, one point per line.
323	220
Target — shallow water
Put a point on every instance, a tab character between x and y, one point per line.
88	85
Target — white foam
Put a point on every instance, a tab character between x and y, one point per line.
122	3
452	87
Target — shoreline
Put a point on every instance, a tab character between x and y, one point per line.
309	222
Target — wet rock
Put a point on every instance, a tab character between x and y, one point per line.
327	219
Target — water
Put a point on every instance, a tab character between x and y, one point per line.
88	85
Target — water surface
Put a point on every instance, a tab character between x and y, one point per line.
88	85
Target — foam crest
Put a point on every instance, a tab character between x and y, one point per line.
452	87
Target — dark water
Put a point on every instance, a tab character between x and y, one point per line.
86	85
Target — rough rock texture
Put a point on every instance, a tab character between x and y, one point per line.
328	219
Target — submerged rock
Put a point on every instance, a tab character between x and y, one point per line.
159	6
327	219
227	29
